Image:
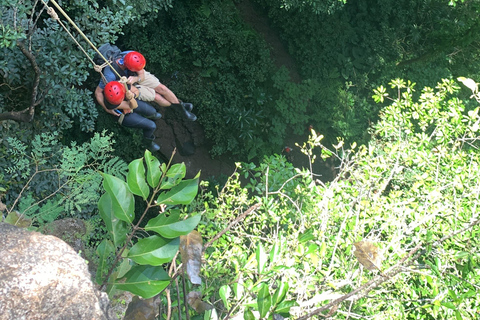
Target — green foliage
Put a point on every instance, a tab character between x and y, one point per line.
63	68
208	56
315	6
44	180
364	44
412	191
144	275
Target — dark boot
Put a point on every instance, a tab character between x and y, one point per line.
151	145
154	117
182	108
188	106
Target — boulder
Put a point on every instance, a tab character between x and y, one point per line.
41	277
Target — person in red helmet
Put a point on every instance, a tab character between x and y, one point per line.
131	115
131	64
114	92
134	61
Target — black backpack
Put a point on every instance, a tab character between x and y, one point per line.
110	52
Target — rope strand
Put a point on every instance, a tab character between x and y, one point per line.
54	16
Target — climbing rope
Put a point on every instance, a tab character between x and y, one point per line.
96	67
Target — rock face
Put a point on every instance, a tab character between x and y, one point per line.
41	277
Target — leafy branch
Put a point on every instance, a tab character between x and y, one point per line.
406	261
26	115
162	186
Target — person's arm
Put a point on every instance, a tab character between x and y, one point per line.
138	78
131	97
124	107
100	99
141	75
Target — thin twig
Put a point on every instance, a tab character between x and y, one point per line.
185	303
369	285
179	308
378	280
27	184
169	303
231	224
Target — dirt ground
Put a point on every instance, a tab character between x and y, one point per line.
173	132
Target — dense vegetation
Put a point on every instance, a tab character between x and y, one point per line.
282	240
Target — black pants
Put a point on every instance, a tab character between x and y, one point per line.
137	119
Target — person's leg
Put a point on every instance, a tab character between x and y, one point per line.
164	97
161	101
162	90
146	110
135	120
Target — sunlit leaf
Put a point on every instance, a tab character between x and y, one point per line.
145	281
117	228
238	289
264	300
124	267
224	293
174	175
248	315
284	307
469	83
104	250
183	193
261	258
367	254
275	252
136	179
154	250
123	202
191	247
170	227
280	292
153	169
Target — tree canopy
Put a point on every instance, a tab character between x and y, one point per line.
392	235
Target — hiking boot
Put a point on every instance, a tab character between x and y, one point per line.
182	108
187	105
151	145
154	117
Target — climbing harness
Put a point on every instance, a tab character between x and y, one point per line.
98	68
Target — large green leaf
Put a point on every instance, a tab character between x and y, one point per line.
174	175
153	169
136	179
104	250
262	258
264	300
284	307
154	250
224	293
145	281
117	229
183	193
280	293
170	227
123	202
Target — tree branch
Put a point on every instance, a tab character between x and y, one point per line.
26	115
412	256
231	224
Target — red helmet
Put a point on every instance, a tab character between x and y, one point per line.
134	61
114	92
